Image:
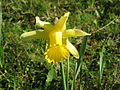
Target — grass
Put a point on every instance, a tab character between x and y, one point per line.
22	64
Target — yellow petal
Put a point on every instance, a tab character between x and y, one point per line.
38	34
74	32
55	38
45	25
56	54
60	26
72	49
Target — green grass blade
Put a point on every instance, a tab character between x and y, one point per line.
67	75
73	87
82	51
63	75
15	84
101	68
1	46
1	56
78	64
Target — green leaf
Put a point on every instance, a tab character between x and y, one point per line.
51	75
63	75
81	52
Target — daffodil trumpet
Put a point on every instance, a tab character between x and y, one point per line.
57	36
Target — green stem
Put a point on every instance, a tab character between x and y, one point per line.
63	75
67	74
73	87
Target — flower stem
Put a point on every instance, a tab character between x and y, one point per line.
63	75
67	74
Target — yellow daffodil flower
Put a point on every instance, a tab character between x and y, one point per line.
59	47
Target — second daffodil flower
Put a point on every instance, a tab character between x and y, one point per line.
59	47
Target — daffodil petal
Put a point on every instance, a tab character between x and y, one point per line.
56	54
60	26
45	25
37	34
74	32
55	38
72	49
